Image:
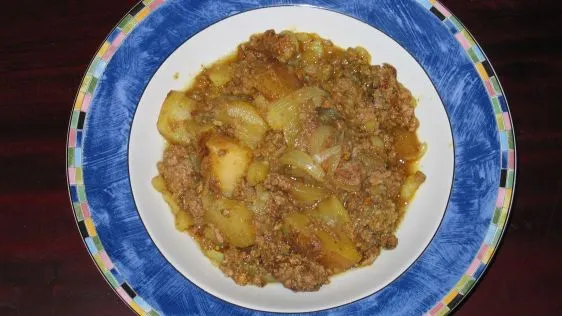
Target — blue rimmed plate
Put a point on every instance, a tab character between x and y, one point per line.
450	231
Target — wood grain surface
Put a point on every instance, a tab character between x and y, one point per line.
45	47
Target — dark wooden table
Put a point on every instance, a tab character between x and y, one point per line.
45	47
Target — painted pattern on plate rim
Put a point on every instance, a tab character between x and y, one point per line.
75	174
141	11
507	142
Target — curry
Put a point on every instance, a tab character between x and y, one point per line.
291	160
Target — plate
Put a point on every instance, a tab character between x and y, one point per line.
448	235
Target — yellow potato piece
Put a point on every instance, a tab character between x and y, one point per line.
411	185
275	82
183	219
229	162
158	184
331	212
298	222
315	48
234	220
378	142
337	253
407	145
248	125
220	74
174	118
216	257
300	234
259	204
257	172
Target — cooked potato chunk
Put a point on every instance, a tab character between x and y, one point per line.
377	142
275	82
337	253
159	184
248	125
259	204
331	212
220	74
257	172
183	219
411	185
234	220
173	122
300	234
332	249
229	162
216	257
407	145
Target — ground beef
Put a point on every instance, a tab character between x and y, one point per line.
299	274
272	147
277	181
350	173
182	179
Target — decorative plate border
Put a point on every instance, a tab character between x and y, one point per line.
75	175
507	142
141	11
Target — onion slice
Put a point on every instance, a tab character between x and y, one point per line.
331	157
301	160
